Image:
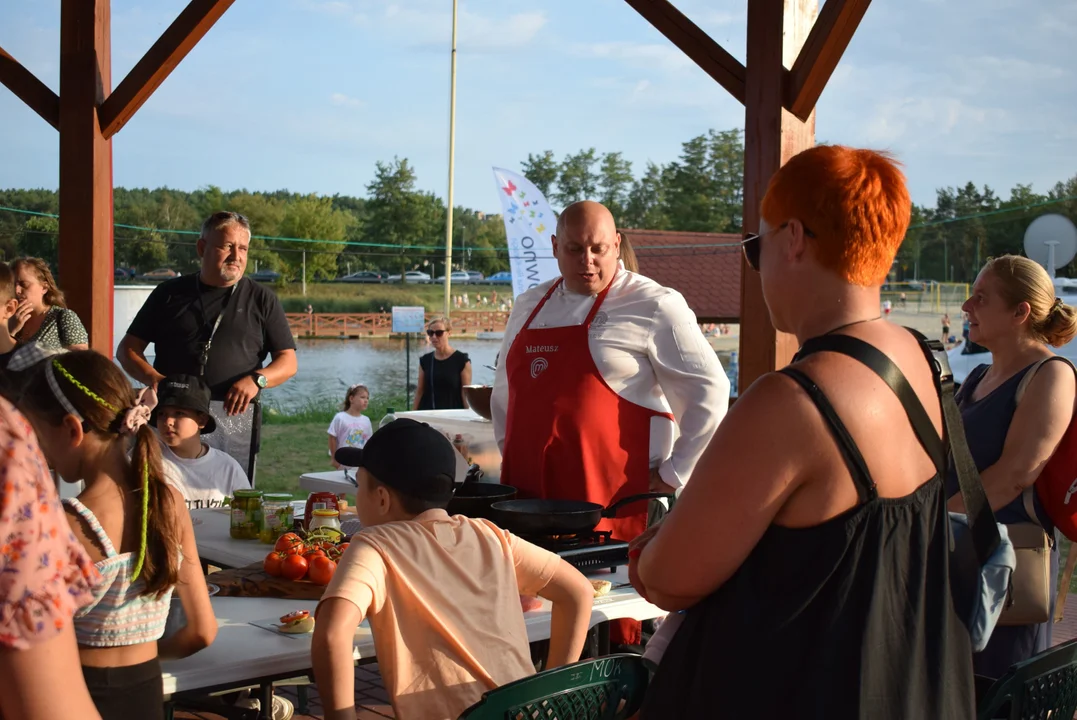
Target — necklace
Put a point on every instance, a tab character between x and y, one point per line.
854	322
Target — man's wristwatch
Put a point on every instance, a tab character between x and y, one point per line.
260	380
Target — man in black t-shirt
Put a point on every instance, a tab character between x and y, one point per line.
216	324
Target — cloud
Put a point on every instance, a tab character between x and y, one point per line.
475	32
639	55
336	8
342	100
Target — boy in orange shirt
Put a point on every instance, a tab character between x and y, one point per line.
442	593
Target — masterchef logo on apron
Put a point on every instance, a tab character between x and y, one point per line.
540	363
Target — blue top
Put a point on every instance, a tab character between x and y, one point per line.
987	421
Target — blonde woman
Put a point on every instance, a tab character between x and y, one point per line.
43	316
443	373
1014	313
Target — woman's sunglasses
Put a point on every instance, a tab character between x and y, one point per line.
435	333
752	244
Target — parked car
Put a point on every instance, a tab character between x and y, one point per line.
159	274
267	276
364	276
500	278
475	275
124	273
411	276
459	277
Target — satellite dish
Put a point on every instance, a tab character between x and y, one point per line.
1051	240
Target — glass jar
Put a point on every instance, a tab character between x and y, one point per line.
276	516
325	518
319	501
246	514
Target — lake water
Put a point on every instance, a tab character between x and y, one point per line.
328	367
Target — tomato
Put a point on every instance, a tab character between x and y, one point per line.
289	544
272	563
337	551
312	553
295	615
294	567
321	570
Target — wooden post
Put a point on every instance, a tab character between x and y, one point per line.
85	245
776	31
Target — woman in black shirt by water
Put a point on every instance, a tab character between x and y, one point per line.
443	373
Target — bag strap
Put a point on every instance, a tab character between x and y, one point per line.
1026	495
982	526
854	460
882	366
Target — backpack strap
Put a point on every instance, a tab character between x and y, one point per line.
982	526
1027	379
1027	494
854	460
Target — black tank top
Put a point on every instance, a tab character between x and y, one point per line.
851	618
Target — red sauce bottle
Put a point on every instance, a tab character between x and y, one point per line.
319	501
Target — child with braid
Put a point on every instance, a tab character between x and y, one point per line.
134	526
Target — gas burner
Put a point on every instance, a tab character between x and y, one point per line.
585	551
557	543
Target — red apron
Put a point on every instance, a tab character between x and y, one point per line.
568	435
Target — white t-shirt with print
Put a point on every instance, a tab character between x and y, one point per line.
351	430
207	481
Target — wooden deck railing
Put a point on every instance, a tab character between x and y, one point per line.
354	325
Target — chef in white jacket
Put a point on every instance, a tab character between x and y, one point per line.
596	371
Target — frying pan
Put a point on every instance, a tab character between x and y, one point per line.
473	499
558	517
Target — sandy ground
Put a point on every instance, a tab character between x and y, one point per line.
930	324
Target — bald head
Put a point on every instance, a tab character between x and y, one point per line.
587	247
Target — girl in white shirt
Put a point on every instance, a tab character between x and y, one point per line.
350	427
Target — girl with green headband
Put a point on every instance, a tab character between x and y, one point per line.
134	526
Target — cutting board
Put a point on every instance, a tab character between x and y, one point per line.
254	581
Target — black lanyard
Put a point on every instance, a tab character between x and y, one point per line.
203	359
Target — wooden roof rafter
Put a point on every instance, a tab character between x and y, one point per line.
711	57
802	85
160	60
25	85
826	43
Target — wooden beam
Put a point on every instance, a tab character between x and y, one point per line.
85	247
36	94
711	57
829	37
776	31
159	62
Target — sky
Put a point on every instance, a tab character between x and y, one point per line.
307	95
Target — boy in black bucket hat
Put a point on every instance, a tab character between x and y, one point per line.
206	476
441	593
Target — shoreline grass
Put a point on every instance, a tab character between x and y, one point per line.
295	442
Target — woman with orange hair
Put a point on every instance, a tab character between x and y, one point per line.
809	556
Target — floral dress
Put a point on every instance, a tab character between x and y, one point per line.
45	575
61	328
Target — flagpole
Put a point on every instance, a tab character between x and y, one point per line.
452	161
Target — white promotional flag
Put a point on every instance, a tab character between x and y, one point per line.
529	223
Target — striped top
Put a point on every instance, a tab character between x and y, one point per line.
118	614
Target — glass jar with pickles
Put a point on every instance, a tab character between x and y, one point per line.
246	515
276	516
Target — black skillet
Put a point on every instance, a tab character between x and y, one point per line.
473	499
558	517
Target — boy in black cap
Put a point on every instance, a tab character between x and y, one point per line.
206	476
441	593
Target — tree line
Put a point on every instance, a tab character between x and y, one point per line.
398	226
